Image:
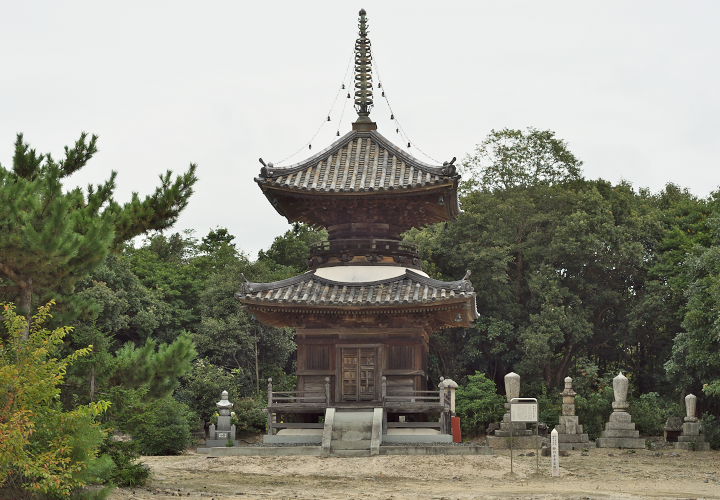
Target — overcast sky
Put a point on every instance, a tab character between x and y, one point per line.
632	86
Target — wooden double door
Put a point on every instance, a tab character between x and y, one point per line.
358	373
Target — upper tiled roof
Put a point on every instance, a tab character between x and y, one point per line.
310	289
358	162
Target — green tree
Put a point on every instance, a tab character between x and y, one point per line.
560	266
510	158
478	404
43	448
292	249
51	237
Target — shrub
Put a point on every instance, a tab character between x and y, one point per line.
550	407
127	471
200	389
650	412
250	415
43	448
594	409
478	404
711	429
162	427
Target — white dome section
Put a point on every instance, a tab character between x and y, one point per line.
360	274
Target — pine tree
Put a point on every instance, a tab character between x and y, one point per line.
51	237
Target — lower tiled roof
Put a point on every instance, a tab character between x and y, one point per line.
312	290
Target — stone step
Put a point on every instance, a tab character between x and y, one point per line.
363	444
573	438
614	426
352	426
351	453
620	433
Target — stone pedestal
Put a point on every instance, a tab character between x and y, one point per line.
224	431
620	430
570	432
692	437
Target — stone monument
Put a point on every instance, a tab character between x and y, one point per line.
692	437
620	430
523	438
224	431
570	432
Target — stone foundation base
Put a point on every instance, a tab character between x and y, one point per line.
573	441
692	438
692	445
620	432
620	442
518	443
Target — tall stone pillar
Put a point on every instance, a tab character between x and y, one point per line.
692	437
620	430
570	432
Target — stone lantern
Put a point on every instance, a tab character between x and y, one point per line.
224	431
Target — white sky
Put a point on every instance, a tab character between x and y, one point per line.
632	86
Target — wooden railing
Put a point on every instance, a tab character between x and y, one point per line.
276	398
440	397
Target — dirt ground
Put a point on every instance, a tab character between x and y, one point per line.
602	474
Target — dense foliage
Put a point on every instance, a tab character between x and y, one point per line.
579	277
50	238
44	448
573	276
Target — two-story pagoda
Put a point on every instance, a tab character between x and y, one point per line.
365	310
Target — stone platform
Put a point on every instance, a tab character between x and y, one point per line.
692	438
317	451
620	432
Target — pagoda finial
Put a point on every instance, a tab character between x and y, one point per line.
363	77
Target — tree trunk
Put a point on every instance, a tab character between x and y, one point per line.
92	383
25	304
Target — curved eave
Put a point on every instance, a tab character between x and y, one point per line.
281	299
277	194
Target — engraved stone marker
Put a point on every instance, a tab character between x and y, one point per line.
620	430
692	437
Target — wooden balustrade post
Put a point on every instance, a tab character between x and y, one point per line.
383	387
269	409
327	391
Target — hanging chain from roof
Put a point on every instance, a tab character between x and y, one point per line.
398	128
341	88
363	69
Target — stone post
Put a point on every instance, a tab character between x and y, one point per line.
554	454
692	437
451	386
512	387
570	432
620	390
620	430
690	407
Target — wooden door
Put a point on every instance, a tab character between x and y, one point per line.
358	373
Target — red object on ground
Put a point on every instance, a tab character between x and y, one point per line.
457	435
